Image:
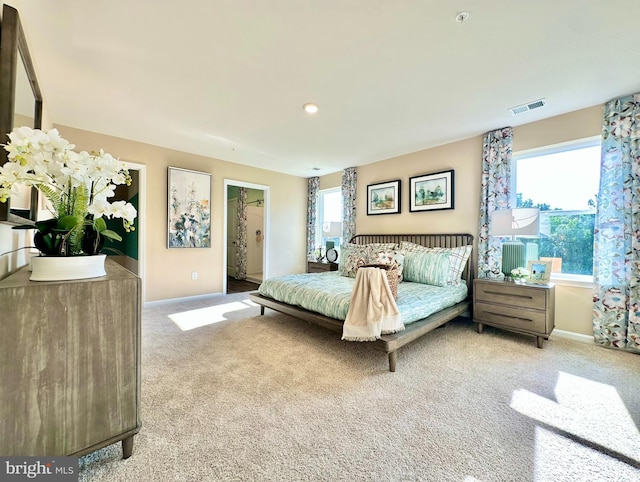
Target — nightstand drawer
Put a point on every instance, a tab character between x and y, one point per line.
320	267
511	294
509	316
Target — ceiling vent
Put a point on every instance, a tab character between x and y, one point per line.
521	109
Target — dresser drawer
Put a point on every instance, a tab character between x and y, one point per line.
509	316
511	294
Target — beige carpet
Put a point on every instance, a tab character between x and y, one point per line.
261	398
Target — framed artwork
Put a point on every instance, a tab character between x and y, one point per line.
189	209
384	198
431	192
539	272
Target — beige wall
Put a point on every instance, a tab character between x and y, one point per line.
168	271
573	304
464	157
331	180
579	124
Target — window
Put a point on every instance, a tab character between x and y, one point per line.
562	181
329	222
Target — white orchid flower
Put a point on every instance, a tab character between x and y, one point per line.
47	160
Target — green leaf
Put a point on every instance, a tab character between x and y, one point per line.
107	233
99	225
46	226
68	222
52	195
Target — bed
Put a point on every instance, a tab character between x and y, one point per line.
456	299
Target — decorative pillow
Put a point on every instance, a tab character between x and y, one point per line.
412	247
388	257
352	256
427	267
458	257
375	246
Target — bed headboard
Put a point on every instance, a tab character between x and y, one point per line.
428	240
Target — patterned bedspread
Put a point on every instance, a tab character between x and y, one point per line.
329	294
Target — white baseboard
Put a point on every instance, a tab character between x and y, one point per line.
186	298
570	335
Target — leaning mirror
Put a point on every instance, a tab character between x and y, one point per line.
20	105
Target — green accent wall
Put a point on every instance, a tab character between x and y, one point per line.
129	244
252	194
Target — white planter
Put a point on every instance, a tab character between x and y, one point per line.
61	268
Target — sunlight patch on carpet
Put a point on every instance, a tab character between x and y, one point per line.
189	320
557	456
585	409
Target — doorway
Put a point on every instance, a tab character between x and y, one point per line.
130	252
254	268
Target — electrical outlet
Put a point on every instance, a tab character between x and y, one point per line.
194	275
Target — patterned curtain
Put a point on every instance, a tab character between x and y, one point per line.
349	178
241	235
312	215
496	181
616	257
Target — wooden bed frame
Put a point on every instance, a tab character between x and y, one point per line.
390	343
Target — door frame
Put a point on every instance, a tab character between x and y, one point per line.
265	246
230	253
142	216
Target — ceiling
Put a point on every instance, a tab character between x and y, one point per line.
227	78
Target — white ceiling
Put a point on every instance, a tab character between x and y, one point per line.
228	78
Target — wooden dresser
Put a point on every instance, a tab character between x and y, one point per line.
525	309
69	363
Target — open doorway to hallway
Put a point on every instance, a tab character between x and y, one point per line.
246	245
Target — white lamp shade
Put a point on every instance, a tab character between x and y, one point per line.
515	222
332	229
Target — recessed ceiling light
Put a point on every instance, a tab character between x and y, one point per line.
310	108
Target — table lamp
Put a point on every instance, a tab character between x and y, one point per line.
520	222
331	230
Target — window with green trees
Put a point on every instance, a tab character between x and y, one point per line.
562	181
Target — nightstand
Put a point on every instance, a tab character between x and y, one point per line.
527	309
320	266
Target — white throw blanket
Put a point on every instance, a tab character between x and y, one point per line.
372	309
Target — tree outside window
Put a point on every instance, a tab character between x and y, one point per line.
563	184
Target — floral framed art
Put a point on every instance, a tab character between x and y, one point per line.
431	192
189	209
384	198
539	272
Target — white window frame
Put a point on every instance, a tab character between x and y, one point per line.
321	194
563	279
